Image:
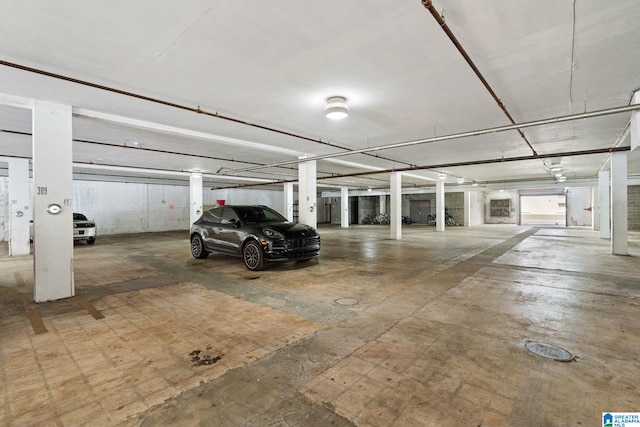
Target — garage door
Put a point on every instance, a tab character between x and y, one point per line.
549	209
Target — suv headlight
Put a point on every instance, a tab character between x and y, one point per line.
273	234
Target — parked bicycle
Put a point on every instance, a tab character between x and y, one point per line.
448	219
381	218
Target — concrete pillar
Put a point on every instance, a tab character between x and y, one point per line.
604	209
288	201
344	207
195	197
19	207
440	206
382	203
595	209
307	193
467	208
396	206
635	123
619	220
52	201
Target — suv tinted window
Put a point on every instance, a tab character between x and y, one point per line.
212	215
250	214
229	216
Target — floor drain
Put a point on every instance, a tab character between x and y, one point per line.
346	301
549	351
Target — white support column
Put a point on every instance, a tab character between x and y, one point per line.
307	193
635	123
440	206
595	209
195	197
19	207
396	206
344	207
52	201
604	209
288	201
382	203
467	208
619	214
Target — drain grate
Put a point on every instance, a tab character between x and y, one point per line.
549	351
346	301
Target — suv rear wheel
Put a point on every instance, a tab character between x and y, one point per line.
197	247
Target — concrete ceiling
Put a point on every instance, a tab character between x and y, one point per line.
268	67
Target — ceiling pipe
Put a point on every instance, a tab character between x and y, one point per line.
197	110
428	4
466	134
458	164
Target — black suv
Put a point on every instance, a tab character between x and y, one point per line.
255	233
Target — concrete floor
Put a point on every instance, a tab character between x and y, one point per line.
429	330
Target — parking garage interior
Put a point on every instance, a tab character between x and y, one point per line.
478	204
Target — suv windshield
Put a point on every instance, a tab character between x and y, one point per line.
249	214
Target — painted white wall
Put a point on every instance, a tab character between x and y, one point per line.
579	199
131	207
273	199
4	208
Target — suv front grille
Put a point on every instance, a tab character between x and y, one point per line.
303	242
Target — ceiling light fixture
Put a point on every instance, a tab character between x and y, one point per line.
336	108
475	184
442	175
460	180
555	167
561	178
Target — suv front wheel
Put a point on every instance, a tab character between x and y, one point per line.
253	256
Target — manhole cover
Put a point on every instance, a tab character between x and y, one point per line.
346	301
549	351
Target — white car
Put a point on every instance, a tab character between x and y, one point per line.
83	229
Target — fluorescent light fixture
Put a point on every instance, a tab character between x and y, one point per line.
336	108
442	175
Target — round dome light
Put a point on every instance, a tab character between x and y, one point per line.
336	108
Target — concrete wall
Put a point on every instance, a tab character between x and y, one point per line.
454	202
368	207
132	208
511	195
633	206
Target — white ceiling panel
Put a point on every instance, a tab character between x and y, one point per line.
243	86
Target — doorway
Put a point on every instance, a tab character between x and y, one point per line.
353	211
419	210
